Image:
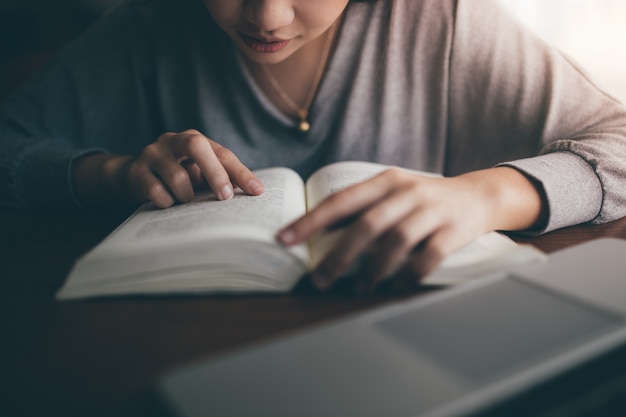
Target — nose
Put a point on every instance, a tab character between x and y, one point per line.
270	15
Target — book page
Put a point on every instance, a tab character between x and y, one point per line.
202	246
489	253
205	217
336	177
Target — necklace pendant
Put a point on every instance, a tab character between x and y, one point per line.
304	126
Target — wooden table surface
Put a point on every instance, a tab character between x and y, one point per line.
101	357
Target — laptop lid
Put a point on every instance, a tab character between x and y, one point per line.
445	354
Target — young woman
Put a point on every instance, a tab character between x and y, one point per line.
162	97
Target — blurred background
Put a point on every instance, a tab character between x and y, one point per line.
593	32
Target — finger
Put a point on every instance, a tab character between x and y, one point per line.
361	235
192	144
175	178
337	207
195	175
395	246
144	183
239	174
426	257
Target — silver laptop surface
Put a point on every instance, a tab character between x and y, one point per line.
445	354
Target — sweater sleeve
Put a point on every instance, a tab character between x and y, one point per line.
89	98
510	90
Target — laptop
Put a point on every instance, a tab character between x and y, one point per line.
450	353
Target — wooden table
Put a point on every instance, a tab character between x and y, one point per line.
102	357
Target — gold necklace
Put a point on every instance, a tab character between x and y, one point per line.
303	112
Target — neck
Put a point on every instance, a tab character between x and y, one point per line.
296	75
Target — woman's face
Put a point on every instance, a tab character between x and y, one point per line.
269	31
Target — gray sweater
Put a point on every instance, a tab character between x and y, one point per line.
438	85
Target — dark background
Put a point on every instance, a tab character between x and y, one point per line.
31	31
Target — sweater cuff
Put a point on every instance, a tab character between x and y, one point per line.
44	176
573	190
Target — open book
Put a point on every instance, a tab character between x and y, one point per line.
207	245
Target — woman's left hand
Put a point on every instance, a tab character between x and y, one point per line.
406	224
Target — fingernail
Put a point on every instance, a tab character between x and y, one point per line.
321	281
227	192
287	237
255	186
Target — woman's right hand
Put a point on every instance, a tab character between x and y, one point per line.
169	170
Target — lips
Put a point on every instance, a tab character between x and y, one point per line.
263	45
